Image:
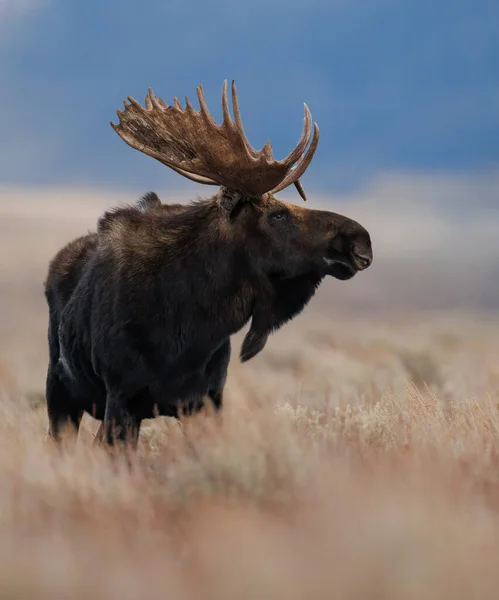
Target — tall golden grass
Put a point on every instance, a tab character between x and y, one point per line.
343	466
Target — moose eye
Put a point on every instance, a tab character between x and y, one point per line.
278	216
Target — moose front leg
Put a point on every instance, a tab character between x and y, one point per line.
216	373
63	412
119	424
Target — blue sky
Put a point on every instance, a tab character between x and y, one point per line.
410	85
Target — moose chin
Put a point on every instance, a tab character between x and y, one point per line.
142	310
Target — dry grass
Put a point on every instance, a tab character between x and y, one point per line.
356	458
368	488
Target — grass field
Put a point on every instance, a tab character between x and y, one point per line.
357	456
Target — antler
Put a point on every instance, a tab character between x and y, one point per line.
191	143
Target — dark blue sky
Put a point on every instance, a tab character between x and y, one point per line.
393	85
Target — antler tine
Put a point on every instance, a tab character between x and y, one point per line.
227	121
237	136
188	105
294	175
300	190
204	109
157	102
298	150
239	125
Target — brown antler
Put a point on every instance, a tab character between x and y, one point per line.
191	143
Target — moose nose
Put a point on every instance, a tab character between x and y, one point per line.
363	261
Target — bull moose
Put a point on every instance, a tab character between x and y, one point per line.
141	311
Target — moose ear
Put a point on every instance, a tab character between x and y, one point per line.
228	199
149	200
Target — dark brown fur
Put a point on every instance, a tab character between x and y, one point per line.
141	312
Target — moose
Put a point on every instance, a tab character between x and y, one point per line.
142	310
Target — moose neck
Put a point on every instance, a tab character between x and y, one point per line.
204	275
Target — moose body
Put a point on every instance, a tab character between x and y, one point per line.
87	345
141	312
